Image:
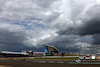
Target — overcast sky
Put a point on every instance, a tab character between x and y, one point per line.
69	25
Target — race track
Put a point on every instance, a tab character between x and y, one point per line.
12	63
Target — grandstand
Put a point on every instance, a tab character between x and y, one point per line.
51	50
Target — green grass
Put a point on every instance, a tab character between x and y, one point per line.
71	58
91	59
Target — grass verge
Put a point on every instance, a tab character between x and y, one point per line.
71	58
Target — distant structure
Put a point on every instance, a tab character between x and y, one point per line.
13	54
51	50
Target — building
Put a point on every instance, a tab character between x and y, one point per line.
38	54
51	50
13	54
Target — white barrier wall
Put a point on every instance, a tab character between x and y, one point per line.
82	57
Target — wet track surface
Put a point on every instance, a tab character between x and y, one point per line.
20	63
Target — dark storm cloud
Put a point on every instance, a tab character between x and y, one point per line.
91	23
90	27
96	39
10	40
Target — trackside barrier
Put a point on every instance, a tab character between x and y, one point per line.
58	62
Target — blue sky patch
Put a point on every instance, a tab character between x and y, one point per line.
30	27
85	38
40	25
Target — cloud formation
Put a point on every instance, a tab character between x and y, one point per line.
30	24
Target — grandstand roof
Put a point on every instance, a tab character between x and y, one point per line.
51	48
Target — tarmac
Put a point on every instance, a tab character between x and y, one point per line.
21	63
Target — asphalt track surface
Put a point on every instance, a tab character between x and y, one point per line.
12	63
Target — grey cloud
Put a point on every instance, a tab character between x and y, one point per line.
59	20
52	17
76	9
90	27
44	3
11	40
67	31
96	38
91	23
